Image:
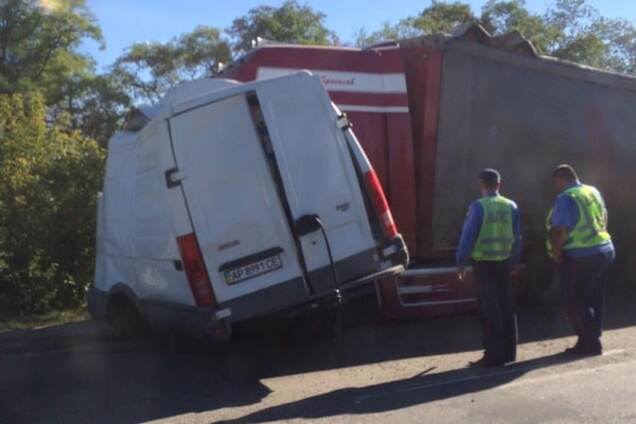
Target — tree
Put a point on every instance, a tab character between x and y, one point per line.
442	17
289	23
619	35
49	177
39	52
569	29
403	29
94	104
39	46
151	69
439	17
500	17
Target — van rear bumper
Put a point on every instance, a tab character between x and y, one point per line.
289	297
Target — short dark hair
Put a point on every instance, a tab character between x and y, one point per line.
565	171
490	177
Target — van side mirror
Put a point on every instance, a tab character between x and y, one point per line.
307	224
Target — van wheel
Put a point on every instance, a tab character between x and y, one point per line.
124	317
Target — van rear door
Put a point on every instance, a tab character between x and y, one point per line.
320	178
240	223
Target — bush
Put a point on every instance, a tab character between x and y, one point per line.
49	178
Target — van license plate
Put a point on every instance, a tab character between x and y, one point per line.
252	270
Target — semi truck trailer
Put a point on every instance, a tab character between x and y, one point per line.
433	111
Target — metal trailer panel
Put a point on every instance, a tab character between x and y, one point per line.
423	70
524	116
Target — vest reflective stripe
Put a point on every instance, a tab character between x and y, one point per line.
496	235
591	230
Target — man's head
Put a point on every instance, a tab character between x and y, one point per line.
489	181
564	176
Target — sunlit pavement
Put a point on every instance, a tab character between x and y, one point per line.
394	372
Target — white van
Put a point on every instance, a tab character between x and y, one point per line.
229	201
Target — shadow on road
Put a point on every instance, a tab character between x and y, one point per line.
126	382
420	389
83	373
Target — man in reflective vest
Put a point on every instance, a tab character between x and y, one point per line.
491	240
579	242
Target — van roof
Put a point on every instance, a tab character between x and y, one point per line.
184	97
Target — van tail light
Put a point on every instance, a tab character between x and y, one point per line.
380	205
198	277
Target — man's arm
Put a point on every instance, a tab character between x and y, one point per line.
564	218
470	232
516	227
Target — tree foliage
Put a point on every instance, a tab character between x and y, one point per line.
442	17
151	69
569	29
49	177
500	17
39	46
292	22
388	31
39	52
439	17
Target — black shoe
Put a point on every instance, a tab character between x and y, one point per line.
594	348
590	349
577	349
485	362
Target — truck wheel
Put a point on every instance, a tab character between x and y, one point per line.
124	317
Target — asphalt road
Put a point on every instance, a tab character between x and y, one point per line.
385	372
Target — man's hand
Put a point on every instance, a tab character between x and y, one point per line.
461	273
557	236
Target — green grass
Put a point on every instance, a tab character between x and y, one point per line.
27	322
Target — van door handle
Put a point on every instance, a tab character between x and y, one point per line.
307	224
174	177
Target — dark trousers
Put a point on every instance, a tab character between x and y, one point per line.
584	281
492	280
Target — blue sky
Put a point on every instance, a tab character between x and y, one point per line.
124	22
